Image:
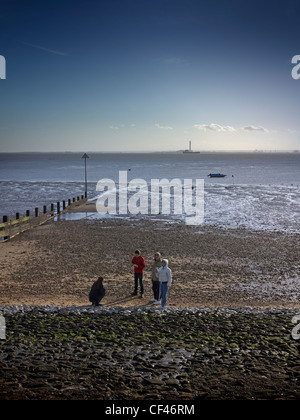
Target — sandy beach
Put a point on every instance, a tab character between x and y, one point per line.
226	333
57	263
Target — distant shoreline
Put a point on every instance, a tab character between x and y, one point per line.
153	152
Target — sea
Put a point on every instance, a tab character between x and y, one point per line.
261	191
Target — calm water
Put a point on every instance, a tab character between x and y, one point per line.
261	191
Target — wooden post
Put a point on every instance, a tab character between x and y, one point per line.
58	207
5	220
37	212
17	216
27	213
45	210
85	157
64	205
69	202
74	199
52	209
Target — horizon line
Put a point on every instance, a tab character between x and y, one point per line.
154	152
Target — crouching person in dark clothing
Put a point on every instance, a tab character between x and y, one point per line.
97	292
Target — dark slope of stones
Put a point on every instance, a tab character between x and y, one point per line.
149	355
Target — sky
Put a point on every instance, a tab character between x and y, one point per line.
149	75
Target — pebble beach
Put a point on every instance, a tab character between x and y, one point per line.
226	333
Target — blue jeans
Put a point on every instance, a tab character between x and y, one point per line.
163	294
138	278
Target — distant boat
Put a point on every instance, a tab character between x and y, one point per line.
216	175
190	149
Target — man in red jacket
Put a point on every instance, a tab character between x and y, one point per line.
139	264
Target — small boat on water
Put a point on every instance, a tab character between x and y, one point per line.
216	175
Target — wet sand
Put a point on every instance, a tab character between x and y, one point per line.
57	263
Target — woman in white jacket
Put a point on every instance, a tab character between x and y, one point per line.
165	279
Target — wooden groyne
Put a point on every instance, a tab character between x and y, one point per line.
10	228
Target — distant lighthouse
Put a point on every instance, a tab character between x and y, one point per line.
189	150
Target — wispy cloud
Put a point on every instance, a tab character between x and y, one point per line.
121	126
175	61
163	127
39	47
254	128
230	129
291	131
214	127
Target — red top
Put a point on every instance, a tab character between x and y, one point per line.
140	262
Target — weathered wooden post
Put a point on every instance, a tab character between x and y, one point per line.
36	212
69	201
58	207
52	209
64	205
45	209
6	220
17	216
27	213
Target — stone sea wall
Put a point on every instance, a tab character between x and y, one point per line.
139	353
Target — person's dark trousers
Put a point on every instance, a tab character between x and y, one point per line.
156	289
138	278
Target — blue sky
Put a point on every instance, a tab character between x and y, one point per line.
139	75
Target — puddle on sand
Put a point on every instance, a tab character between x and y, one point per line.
85	215
78	216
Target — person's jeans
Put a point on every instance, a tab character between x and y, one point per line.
164	294
138	278
155	288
